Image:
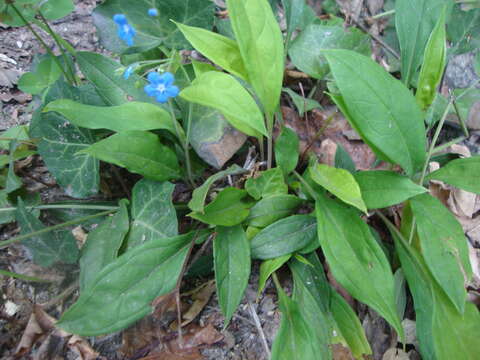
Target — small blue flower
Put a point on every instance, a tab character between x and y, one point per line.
125	31
161	86
128	71
152	12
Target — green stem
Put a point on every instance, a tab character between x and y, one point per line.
460	119
270	123
22	277
386	13
50	52
27	142
6	243
78	207
312	192
442	147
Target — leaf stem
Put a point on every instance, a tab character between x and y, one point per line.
386	13
270	122
447	144
22	277
307	185
460	119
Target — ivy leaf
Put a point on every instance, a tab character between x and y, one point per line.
270	182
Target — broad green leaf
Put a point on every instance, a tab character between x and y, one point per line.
221	50
231	256
222	92
444	247
152	31
287	150
48	248
307	49
56	9
340	183
123	290
380	108
400	292
356	259
128	116
230	207
349	326
381	189
461	173
199	195
270	182
343	160
51	10
45	74
298	15
19	133
153	214
284	237
312	293
433	66
463	30
414	22
139	152
268	267
261	45
102	245
295	339
272	208
102	72
302	104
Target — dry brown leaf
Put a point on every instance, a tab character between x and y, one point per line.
341	352
31	334
462	203
200	298
395	354
82	348
327	152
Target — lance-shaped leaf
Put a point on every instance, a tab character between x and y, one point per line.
414	22
220	49
222	92
153	213
340	183
102	245
433	65
381	189
461	173
268	183
231	256
287	150
272	208
124	290
261	45
284	237
444	246
380	108
268	267
139	152
199	195
356	259
129	116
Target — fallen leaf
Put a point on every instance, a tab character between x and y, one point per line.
83	350
200	298
395	354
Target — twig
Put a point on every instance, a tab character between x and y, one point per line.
63	295
258	325
379	40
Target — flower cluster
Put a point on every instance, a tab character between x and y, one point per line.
125	31
161	86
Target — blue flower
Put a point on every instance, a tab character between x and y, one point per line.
152	12
128	71
125	31
161	86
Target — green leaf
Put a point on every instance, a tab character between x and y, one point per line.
138	151
284	237
414	22
340	183
199	195
102	245
123	290
294	339
272	208
153	213
463	30
152	31
229	208
444	247
6	215
433	65
103	73
48	248
287	150
380	108
270	182
261	46
343	160
298	15
221	50
268	267
45	74
381	189
461	173
307	49
302	104
349	326
56	9
128	116
18	133
356	259
231	256
222	92
51	10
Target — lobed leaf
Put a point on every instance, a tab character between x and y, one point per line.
270	182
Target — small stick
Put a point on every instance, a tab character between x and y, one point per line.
258	325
